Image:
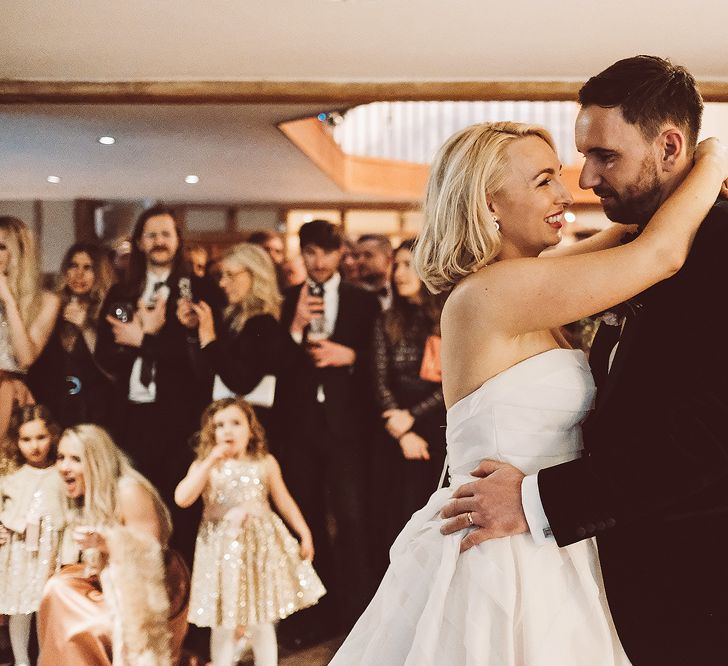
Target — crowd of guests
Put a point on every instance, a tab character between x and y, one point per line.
150	417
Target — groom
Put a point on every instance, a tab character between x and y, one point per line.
652	485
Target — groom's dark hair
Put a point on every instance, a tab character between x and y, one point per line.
650	92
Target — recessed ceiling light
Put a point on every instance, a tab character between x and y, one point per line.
106	140
192	179
54	179
570	217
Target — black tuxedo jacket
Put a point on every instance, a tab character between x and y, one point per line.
652	485
349	404
182	382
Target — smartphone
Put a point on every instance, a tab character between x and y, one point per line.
317	327
123	311
185	288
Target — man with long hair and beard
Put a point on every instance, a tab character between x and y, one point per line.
149	351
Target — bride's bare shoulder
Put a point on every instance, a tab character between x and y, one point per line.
482	290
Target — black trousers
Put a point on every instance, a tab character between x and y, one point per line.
157	439
326	474
399	487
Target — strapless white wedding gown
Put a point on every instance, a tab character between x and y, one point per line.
506	602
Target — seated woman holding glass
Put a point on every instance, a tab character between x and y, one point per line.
126	601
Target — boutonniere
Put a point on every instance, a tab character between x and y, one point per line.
617	314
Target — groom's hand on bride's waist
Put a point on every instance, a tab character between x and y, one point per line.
492	503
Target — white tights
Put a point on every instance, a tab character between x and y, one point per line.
19	626
224	646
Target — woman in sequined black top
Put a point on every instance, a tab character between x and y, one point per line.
410	452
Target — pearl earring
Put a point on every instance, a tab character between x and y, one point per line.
496	224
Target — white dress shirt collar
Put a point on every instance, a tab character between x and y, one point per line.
332	283
155	278
138	392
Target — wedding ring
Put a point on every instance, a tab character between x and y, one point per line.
469	514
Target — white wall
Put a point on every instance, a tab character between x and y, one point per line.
56	230
21	209
214	219
250	219
58	233
57	223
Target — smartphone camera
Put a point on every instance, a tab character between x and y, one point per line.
121	311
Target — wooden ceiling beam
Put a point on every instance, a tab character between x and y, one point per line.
14	91
274	92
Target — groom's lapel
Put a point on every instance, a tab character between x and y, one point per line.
612	379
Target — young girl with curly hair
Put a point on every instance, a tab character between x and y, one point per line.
248	570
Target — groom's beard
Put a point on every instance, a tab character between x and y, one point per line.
639	200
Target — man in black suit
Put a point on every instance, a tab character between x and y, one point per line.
323	411
160	392
374	259
652	485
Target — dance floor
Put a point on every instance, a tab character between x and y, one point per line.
317	655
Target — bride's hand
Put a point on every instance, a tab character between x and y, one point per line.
492	504
712	148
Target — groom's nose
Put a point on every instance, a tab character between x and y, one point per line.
589	177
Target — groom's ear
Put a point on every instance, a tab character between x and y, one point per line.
672	147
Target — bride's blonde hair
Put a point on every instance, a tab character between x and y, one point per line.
458	236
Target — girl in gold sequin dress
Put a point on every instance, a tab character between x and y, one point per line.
248	570
31	520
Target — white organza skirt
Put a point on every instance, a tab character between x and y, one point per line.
506	602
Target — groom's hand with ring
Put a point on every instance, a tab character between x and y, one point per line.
493	502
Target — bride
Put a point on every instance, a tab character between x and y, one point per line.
515	392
